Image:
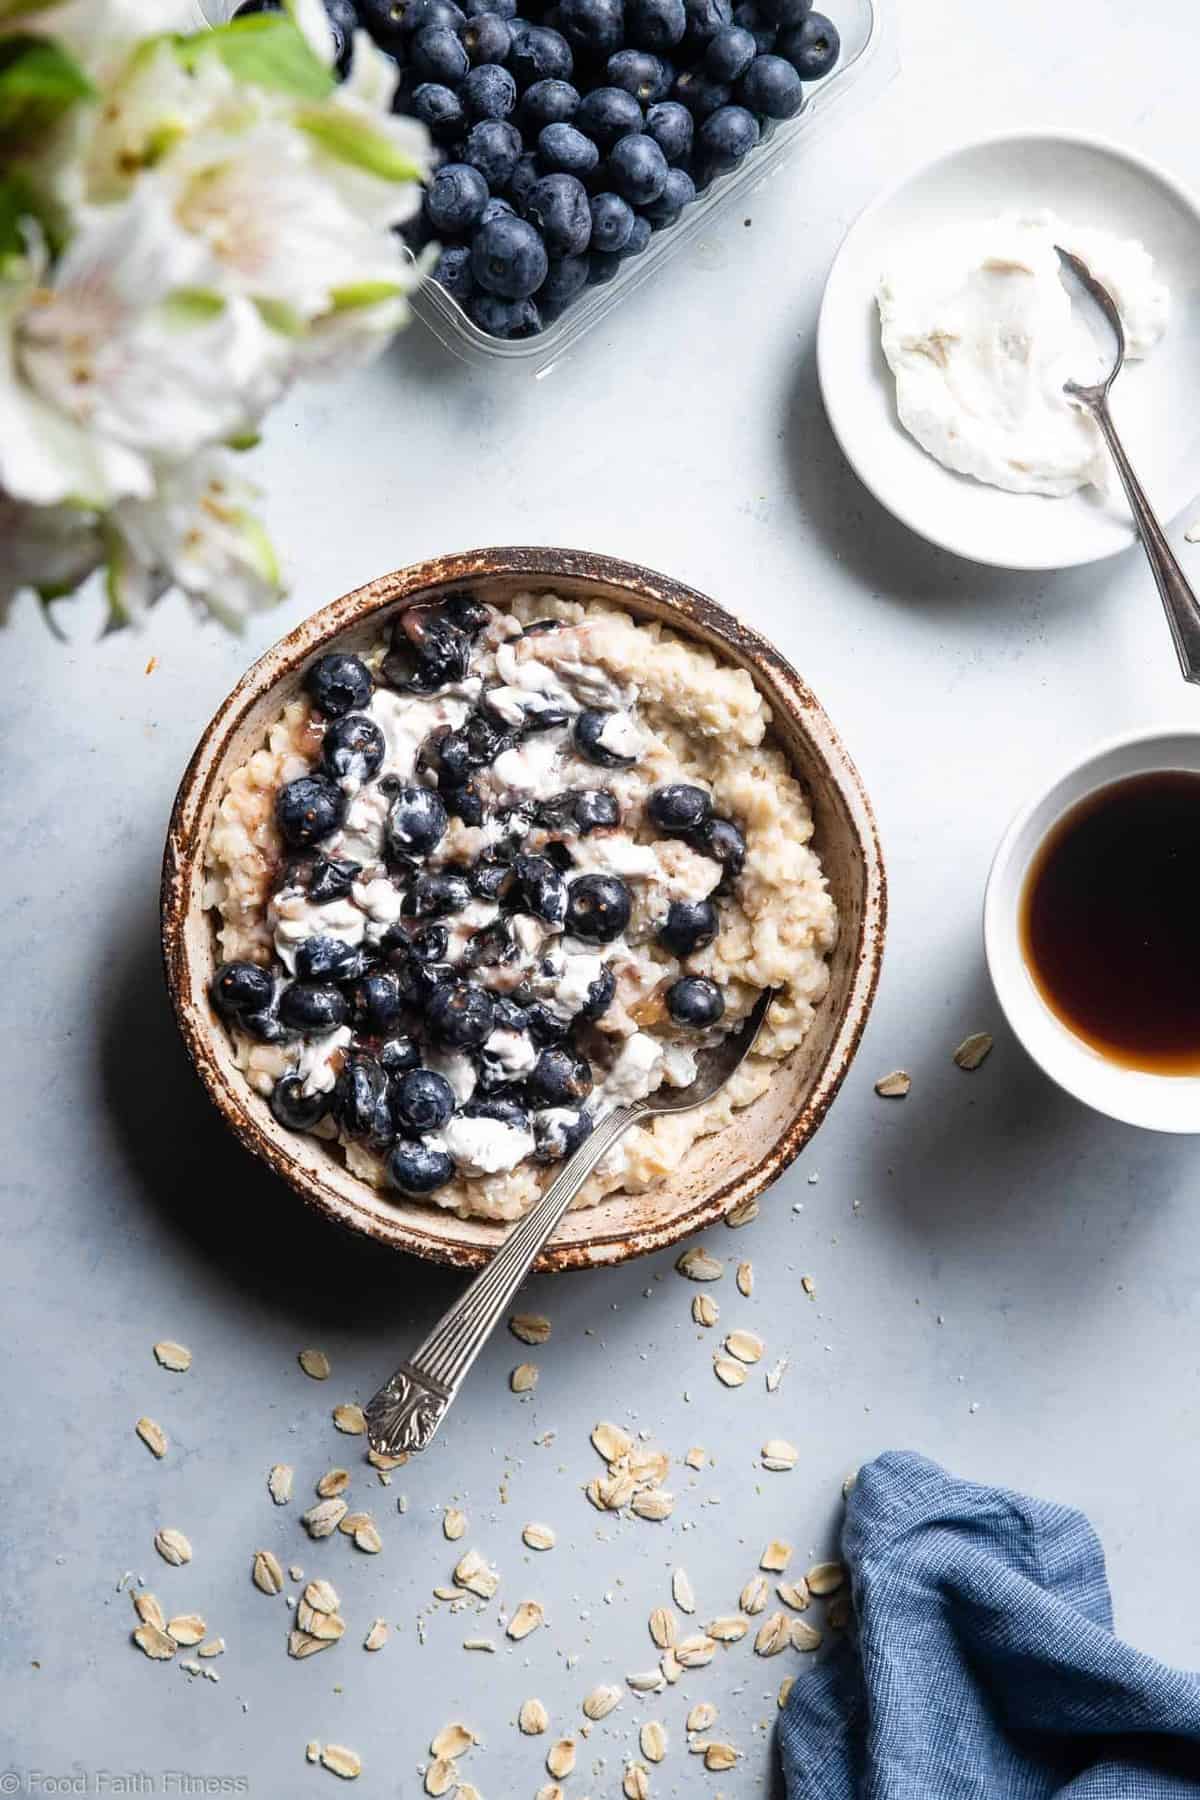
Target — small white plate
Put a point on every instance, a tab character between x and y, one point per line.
1087	182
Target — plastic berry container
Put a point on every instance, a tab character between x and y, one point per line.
865	65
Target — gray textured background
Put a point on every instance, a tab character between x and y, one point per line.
1062	1252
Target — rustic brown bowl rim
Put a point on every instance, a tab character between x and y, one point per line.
185	849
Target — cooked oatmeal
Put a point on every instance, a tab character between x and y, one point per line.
500	875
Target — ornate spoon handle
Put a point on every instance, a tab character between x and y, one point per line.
408	1408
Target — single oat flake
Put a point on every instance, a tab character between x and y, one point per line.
322	1596
377	1636
186	1628
698	1265
652	1741
528	1616
696	1457
747	1346
439	1777
314	1363
653	1503
646	1681
367	1538
825	1578
350	1418
776	1557
745	1279
838	1612
538	1537
718	1757
322	1520
636	1783
523	1379
894	1086
452	1741
212	1647
663	1628
333	1483
533	1718
172	1546
454	1523
155	1643
973	1050
754	1596
611	1442
152	1435
600	1702
170	1355
728	1630
702	1716
531	1328
266	1573
340	1761
773	1635
148	1610
730	1373
779	1455
681	1591
742	1214
560	1758
705	1310
474	1574
279	1483
804	1636
695	1651
795	1594
303	1643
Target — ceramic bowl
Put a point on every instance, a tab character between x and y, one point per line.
721	1170
1086	182
1135	1096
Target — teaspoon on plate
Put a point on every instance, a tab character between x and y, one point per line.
1104	321
409	1407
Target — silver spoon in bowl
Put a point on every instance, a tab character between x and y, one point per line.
409	1407
1104	322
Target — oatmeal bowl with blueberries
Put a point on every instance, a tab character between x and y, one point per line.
491	847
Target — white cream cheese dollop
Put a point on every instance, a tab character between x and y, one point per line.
979	332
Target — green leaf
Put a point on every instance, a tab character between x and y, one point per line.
266	49
38	83
352	139
244	440
363	293
280	316
193	306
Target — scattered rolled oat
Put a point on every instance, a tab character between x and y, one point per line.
705	1310
600	1702
304	1643
379	1459
698	1265
653	1503
531	1328
611	1442
785	1688
322	1596
804	1636
894	1086
314	1363
670	1666
695	1651
312	1750
340	1761
484	1644
155	1643
747	1346
171	1355
322	1520
775	1375
772	1635
377	1637
681	1591
702	1716
474	1574
333	1483
186	1628
279	1483
973	1050
652	1741
646	1681
266	1573
538	1537
754	1596
528	1616
795	1594
560	1757
523	1379
727	1630
636	1784
145	1605
776	1557
826	1578
696	1457
533	1718
778	1454
809	1286
550	1791
743	1213
212	1647
730	1373
745	1279
152	1435
172	1546
452	1741
350	1418
367	1538
838	1612
663	1628
454	1523
439	1777
718	1757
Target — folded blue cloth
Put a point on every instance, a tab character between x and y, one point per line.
986	1666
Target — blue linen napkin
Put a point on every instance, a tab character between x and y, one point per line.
986	1667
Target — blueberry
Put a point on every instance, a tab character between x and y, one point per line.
504	9
600	994
705	18
418	14
453	268
429	945
496	208
591	728
437	55
564	149
595	808
637	169
726	136
700	95
689	926
266	1026
639	237
313	1006
419	1169
338	684
376	1003
654	24
440	109
508	258
539	54
548	103
490	947
501	319
455	197
679	190
398	1055
598	908
544	1025
595	26
752	17
416	822
604	264
489	92
328	959
558	206
608	113
729	53
343	20
465	612
437	892
427	649
422	1101
567	279
294	1108
612	220
492	147
670	125
418	980
812	47
559	1131
503	1111
460	1016
560	1077
771	87
644	76
785	12
523	180
538	888
352	748
308	809
679	807
486	38
696	1001
241	987
490	877
722	840
331	878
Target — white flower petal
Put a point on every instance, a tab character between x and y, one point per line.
50	548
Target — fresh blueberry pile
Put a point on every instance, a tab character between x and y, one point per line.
406	997
571	132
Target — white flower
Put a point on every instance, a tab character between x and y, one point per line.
49	548
121	357
101	33
197	533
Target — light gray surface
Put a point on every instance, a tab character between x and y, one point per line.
1061	1253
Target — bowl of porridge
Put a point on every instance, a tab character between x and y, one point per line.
491	846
